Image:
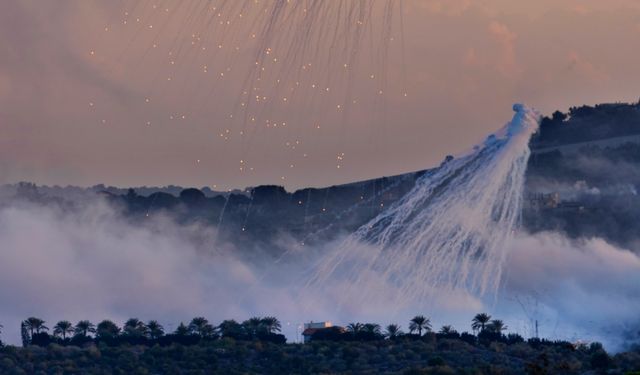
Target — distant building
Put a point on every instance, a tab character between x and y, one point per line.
542	201
313	327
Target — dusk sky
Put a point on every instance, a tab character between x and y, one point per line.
86	98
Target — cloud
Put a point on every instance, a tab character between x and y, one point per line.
583	67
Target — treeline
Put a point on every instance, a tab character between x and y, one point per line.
255	346
34	331
588	123
485	330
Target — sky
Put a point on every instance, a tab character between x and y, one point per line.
86	98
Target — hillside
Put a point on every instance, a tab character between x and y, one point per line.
582	180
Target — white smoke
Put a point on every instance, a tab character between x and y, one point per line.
93	263
450	231
586	290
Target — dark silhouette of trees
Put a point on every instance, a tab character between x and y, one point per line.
393	331
497	326
360	348
253	326
201	327
62	329
271	324
154	330
182	330
355	328
35	325
134	328
420	323
232	329
107	329
84	328
372	328
480	321
447	330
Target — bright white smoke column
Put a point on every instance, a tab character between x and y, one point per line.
449	233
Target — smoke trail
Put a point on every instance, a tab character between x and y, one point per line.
449	232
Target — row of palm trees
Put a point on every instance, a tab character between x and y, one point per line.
198	326
252	327
480	323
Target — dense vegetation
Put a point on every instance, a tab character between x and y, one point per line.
584	174
589	123
254	346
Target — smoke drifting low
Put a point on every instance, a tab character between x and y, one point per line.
94	263
577	290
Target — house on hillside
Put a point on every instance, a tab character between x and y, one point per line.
312	327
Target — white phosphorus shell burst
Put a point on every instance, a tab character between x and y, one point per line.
449	233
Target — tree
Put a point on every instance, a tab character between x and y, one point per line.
35	325
134	328
393	331
497	326
253	326
479	322
447	330
84	327
355	328
231	328
372	328
63	328
200	326
420	323
107	329
24	334
154	329
182	330
271	324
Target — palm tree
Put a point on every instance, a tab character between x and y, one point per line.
497	326
419	323
271	324
231	328
134	327
479	322
253	326
154	329
393	331
107	329
182	330
447	330
84	327
372	328
63	328
200	326
355	327
35	325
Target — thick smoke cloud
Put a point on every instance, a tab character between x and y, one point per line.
93	263
585	290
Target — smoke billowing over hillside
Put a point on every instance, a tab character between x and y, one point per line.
92	262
